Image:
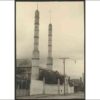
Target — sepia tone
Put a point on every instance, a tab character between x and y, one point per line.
50	50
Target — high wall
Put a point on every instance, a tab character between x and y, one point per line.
51	89
37	88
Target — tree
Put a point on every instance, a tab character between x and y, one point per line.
51	77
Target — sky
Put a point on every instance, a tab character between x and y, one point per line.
67	20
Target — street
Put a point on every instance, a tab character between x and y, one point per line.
69	96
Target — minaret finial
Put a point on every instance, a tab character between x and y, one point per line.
37	5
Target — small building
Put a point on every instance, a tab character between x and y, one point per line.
23	77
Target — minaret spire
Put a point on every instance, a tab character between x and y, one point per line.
49	58
35	57
37	6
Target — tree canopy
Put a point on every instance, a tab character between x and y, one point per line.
51	77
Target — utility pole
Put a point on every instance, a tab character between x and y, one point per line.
43	85
64	60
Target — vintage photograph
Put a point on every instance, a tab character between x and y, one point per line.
50	62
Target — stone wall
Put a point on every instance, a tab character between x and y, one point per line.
37	87
51	89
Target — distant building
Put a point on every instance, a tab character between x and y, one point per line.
77	83
23	76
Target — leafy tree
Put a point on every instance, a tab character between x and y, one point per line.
51	77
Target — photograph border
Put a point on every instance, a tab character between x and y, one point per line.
84	1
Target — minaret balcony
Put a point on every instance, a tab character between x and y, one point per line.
36	36
49	44
49	34
36	23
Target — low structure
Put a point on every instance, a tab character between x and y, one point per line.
23	81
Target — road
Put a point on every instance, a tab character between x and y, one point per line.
70	96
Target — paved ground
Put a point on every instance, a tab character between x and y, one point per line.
70	96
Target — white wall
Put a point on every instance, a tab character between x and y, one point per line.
7	50
92	50
51	89
37	88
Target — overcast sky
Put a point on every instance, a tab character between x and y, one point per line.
68	33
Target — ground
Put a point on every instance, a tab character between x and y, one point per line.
69	96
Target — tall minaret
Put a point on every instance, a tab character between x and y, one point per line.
35	57
50	59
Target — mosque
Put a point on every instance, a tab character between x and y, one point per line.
33	68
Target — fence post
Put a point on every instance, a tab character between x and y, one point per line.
67	86
43	85
58	86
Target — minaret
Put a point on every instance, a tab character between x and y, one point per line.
35	57
50	59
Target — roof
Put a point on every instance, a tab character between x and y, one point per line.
23	63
